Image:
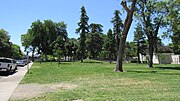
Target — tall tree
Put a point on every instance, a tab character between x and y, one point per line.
58	47
61	31
110	44
123	37
28	42
43	35
152	14
139	38
50	36
83	30
38	34
58	44
94	37
118	25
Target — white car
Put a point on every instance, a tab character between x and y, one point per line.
21	62
7	64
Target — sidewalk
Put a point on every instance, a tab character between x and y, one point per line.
8	84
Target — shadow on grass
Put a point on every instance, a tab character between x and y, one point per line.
154	72
92	62
55	63
138	71
171	68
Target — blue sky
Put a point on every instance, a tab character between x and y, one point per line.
18	15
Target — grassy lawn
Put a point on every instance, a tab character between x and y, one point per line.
96	81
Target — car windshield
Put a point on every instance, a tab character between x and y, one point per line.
5	60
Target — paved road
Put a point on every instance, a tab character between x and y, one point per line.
9	83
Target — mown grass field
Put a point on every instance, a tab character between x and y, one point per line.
96	81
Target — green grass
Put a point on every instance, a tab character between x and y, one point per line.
98	82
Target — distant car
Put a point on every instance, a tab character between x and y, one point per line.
8	65
21	62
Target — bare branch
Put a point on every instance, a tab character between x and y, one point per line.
124	4
157	27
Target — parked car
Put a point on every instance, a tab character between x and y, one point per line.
8	65
21	62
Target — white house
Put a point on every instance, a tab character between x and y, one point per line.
163	58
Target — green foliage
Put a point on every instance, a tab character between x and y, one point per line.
131	50
27	41
139	38
4	37
139	32
43	36
117	25
7	48
71	46
152	15
16	52
110	45
94	44
58	47
96	28
83	30
5	44
94	40
97	82
173	19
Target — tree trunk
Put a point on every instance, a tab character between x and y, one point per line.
33	54
59	62
65	57
110	59
46	58
81	58
138	53
120	55
51	61
123	37
151	50
68	58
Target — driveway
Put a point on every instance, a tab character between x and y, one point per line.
10	82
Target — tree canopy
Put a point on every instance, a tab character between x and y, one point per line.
43	35
7	48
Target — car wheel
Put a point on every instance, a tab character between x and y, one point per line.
8	71
16	68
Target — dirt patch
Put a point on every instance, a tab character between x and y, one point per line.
27	91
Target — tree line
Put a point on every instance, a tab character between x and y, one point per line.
50	39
